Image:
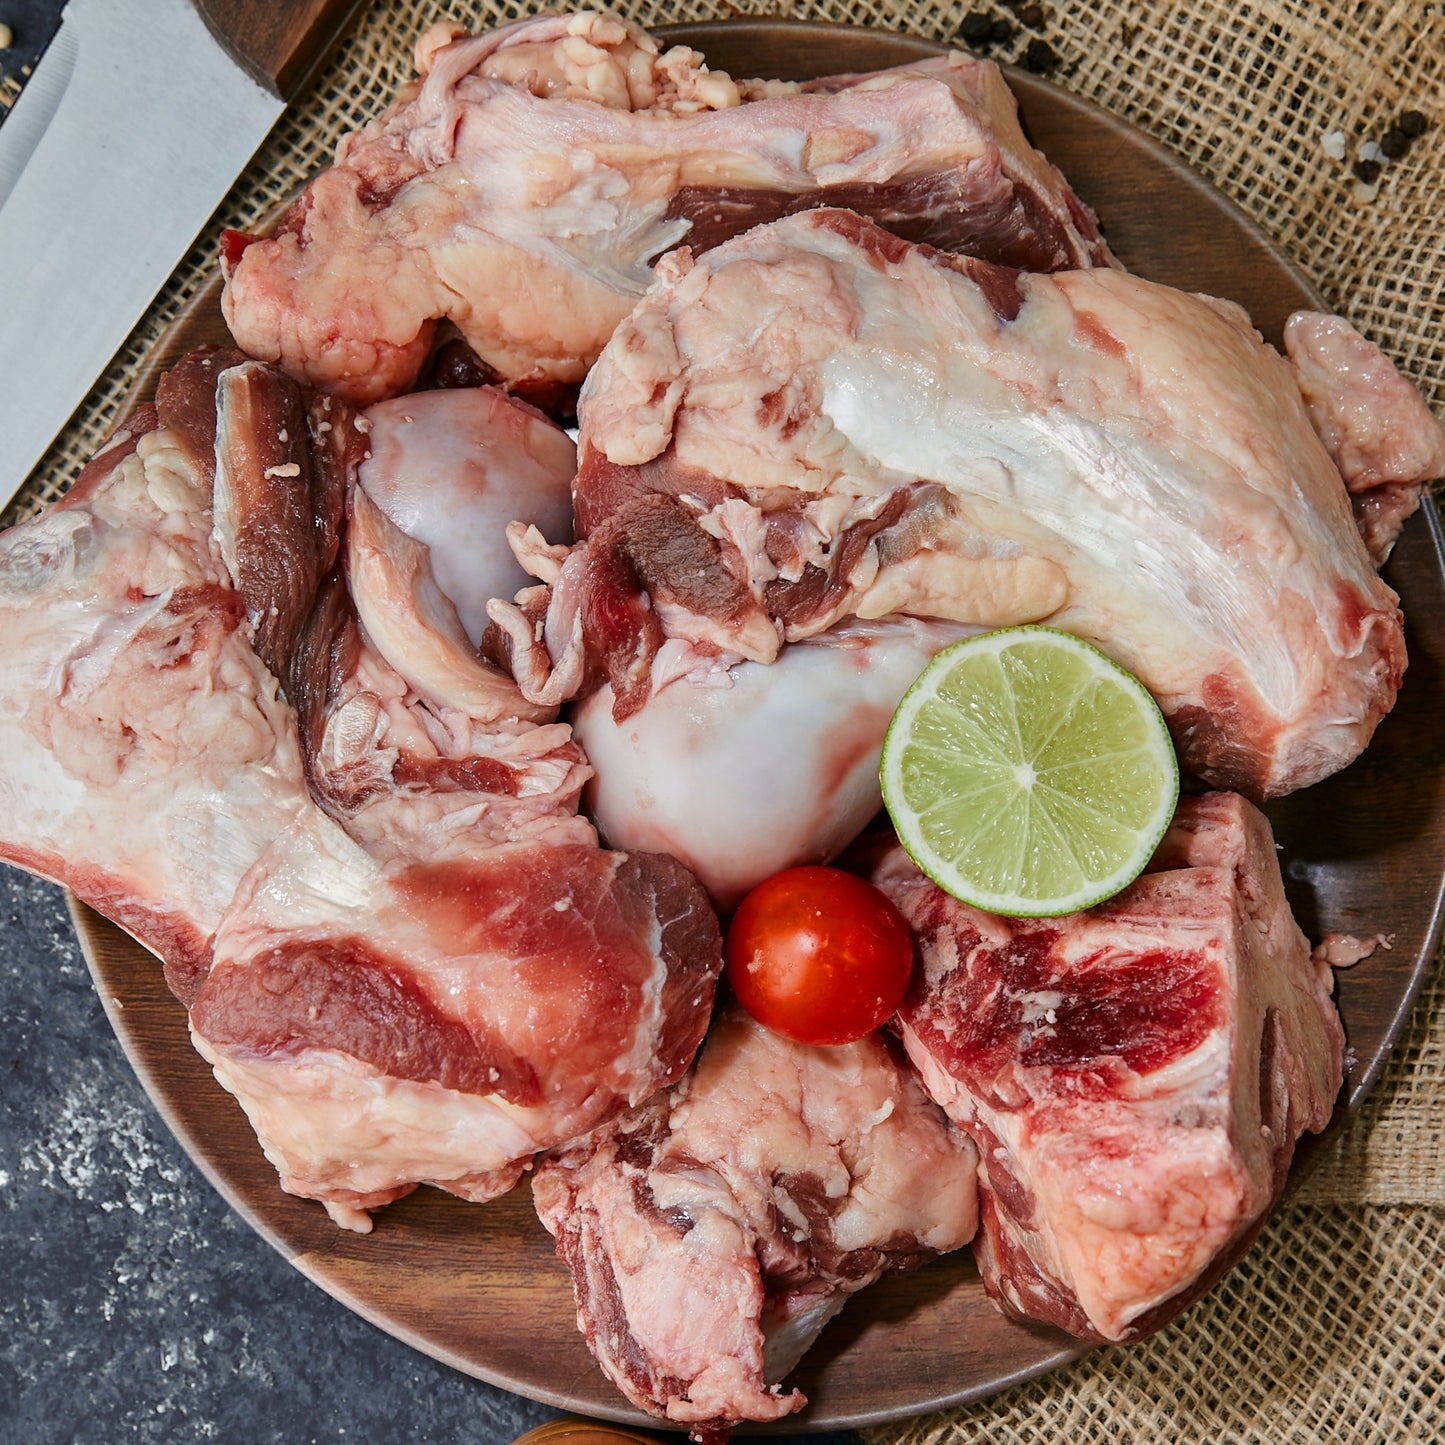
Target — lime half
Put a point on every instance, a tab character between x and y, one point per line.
1027	774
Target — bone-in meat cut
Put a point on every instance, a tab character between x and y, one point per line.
451	469
819	420
400	946
524	185
147	755
713	1232
1135	1077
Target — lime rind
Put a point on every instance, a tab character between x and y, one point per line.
1028	774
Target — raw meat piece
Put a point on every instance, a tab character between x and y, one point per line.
455	976
1135	1076
714	1231
389	1019
413	624
146	758
400	946
1376	426
524	185
819	420
741	772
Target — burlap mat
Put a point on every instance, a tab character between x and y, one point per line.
1334	1328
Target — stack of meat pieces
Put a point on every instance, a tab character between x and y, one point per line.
1130	1083
268	704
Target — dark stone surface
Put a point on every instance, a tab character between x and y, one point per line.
134	1305
32	23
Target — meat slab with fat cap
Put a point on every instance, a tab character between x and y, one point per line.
1135	1076
714	1231
400	946
819	420
525	184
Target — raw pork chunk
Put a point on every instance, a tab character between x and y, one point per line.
818	420
1377	427
400	946
526	183
146	755
713	1232
1135	1077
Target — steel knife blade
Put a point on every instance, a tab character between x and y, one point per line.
124	141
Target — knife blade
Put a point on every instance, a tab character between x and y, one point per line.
121	146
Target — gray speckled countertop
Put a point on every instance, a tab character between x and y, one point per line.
134	1305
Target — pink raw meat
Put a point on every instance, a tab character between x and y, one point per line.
1135	1077
401	947
819	420
1376	426
713	1232
525	184
147	756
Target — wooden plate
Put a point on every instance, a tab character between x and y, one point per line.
479	1287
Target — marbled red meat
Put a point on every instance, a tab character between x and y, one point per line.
1135	1076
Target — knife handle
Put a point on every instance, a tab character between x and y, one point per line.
280	43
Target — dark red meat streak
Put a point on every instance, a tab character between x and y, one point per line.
1146	1012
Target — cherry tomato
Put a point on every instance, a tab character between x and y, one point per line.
818	955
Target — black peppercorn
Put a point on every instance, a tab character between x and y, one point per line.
1039	57
1394	144
975	27
1367	171
1000	32
1412	123
1032	16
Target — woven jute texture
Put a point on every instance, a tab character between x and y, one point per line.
1333	1328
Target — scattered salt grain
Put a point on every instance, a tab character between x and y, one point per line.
1370	151
1333	144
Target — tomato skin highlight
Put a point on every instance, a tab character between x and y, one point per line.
818	955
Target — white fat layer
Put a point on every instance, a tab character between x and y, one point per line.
331	1124
786	1341
1115	505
